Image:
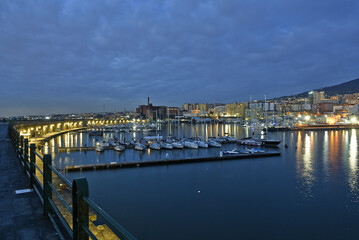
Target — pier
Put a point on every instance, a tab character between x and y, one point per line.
316	127
21	210
113	165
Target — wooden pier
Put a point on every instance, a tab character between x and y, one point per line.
166	162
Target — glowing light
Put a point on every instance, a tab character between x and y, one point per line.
307	117
354	120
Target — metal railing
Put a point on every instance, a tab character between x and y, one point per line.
41	180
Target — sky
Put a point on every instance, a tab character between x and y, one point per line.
74	56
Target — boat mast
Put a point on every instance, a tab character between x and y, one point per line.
252	114
178	123
265	108
168	122
157	127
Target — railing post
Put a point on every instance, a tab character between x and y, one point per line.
80	208
22	149
47	179
26	155
32	164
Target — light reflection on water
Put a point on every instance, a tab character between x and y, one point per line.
305	163
353	166
326	155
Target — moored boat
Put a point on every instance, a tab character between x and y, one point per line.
99	149
119	148
155	146
177	145
140	147
212	143
249	142
190	144
166	145
201	144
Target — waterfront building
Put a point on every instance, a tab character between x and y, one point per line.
150	112
236	109
219	111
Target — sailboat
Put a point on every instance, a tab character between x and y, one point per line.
268	142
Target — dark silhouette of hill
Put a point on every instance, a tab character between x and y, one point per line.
343	88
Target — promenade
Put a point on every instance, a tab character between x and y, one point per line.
21	215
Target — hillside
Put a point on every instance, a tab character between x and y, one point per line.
343	88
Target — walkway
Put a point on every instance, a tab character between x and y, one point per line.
21	215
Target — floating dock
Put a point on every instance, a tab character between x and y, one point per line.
92	167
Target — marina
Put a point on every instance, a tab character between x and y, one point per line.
205	178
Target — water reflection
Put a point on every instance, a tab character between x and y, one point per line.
334	146
305	164
326	156
353	166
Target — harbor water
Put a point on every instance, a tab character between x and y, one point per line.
311	191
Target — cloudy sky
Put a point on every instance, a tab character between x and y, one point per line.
81	55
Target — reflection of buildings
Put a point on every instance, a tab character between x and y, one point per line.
305	163
149	111
353	165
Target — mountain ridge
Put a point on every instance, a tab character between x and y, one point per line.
348	87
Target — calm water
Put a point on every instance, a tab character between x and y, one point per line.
309	192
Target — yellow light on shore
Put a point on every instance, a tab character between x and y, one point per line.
307	117
354	120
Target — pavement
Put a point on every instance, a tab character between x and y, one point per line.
21	215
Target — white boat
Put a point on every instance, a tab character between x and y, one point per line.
201	144
166	145
212	143
104	144
238	151
234	151
140	147
155	146
249	142
254	150
119	148
189	144
99	149
231	139
177	145
220	140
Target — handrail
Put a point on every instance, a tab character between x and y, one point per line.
39	169
39	156
61	198
80	200
87	230
61	176
59	215
55	226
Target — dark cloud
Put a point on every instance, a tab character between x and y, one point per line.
76	56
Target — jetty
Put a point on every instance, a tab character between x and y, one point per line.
112	165
314	127
77	149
